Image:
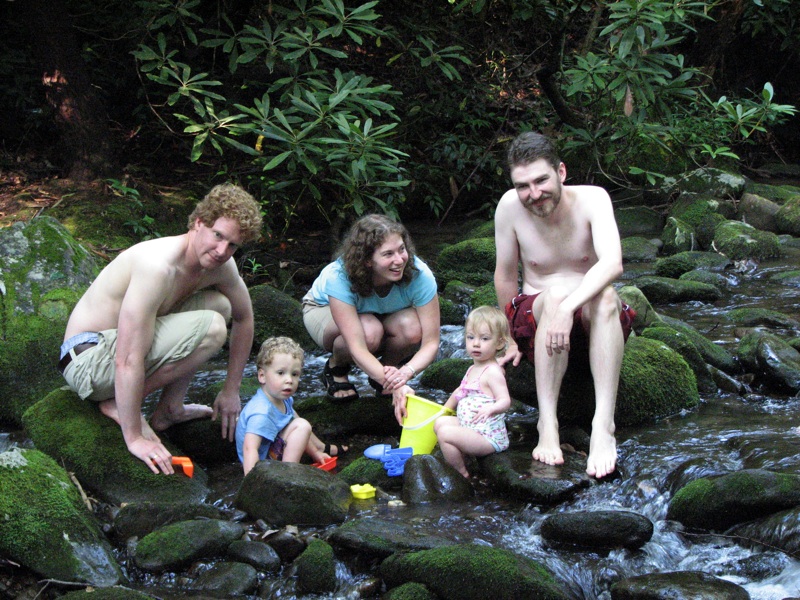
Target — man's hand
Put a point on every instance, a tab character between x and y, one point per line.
557	336
153	454
512	354
228	407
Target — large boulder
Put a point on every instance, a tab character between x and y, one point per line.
709	182
91	445
717	503
740	241
276	314
683	345
473	572
775	363
758	212
676	265
471	261
428	479
787	218
284	493
376	537
665	290
714	354
598	529
43	272
45	526
701	213
677	584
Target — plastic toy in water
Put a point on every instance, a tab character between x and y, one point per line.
326	465
376	452
397	453
394	461
185	463
362	491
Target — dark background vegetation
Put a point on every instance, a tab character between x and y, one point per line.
326	109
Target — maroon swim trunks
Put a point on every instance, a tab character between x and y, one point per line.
523	324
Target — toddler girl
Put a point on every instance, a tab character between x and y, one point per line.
482	398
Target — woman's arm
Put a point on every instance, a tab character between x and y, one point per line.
430	322
351	330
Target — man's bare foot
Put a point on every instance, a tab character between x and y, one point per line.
602	454
164	418
548	450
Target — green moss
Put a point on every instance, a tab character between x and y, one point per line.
701	214
739	241
712	353
676	265
470	260
787	218
484	230
445	374
752	317
638	249
677	236
316	569
485	295
450	312
277	313
409	591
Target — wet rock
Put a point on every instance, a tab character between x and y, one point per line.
287	544
701	213
277	313
645	313
316	569
259	555
756	317
780	530
678	236
376	537
775	363
726	382
718	280
676	265
515	473
598	529
446	374
739	241
683	345
721	502
180	544
45	526
226	579
690	470
366	416
638	249
109	593
758	212
91	445
638	220
200	438
140	518
787	218
367	470
687	585
772	451
714	354
281	493
790	278
471	261
428	479
664	290
410	591
472	572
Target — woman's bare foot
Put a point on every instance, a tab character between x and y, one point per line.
165	418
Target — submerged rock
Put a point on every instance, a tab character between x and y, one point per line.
781	530
225	580
598	529
686	585
775	363
374	537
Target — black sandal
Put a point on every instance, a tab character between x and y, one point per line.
340	449
378	389
333	386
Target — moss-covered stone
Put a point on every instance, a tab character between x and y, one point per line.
754	317
775	363
739	241
445	374
655	381
472	572
470	260
451	313
664	290
709	181
638	220
276	314
757	211
75	432
717	280
316	568
790	278
484	230
44	524
787	219
485	295
720	502
676	265
701	214
776	193
645	313
683	345
638	249
366	470
677	236
409	591
713	354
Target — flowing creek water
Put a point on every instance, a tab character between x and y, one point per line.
648	455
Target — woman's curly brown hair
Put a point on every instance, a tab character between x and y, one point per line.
365	236
231	202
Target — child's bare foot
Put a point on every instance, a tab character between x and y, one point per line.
164	418
602	454
548	450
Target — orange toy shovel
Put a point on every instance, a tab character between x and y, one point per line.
184	463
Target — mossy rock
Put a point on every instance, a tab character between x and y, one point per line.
645	313
109	593
472	572
720	502
709	181
458	291
410	591
445	374
774	361
451	313
91	445
316	568
484	230
664	290
367	470
471	260
676	265
717	280
701	214
655	381
485	295
787	219
755	317
779	194
638	249
45	526
637	220
740	241
678	236
790	278
683	345
714	354
278	314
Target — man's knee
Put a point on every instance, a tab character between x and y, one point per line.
219	303
217	331
606	304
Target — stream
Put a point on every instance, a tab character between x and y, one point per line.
648	455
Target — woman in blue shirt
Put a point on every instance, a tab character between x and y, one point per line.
376	306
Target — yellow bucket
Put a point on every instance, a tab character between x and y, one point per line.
418	424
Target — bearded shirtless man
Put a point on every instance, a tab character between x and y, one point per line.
155	314
566	239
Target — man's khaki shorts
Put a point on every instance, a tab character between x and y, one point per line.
91	374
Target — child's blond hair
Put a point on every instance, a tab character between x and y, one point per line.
278	345
495	319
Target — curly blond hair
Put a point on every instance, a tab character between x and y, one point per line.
278	345
232	202
495	320
365	236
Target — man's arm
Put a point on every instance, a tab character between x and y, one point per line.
506	270
228	403
135	331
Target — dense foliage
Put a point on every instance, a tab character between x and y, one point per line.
332	108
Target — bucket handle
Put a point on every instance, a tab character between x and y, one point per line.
428	421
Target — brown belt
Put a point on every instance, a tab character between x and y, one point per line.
64	362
